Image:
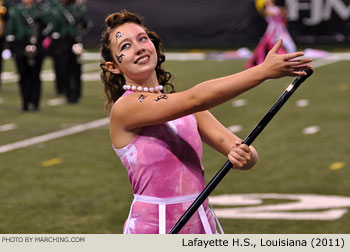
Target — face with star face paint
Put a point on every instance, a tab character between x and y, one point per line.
134	53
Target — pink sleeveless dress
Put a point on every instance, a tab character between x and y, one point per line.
165	171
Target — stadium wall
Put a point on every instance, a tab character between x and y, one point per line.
227	23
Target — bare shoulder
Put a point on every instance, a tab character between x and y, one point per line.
122	106
126	107
120	135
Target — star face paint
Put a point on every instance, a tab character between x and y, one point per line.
142	98
119	35
162	97
120	58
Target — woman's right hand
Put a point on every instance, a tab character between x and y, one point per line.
281	65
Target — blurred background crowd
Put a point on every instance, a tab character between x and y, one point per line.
30	30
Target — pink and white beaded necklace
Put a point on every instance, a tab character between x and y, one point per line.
144	89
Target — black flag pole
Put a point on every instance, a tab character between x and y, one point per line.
248	141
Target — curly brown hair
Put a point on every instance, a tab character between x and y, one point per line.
113	83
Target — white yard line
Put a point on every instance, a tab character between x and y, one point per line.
91	66
54	135
333	58
8	127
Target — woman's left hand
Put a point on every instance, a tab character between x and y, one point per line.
240	156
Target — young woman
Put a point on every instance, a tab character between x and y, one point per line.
158	136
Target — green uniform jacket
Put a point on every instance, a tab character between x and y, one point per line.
27	23
69	21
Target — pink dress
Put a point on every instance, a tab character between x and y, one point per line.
165	171
276	29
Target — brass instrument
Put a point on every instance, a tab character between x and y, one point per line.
30	50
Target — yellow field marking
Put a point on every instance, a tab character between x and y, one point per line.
336	166
51	162
343	87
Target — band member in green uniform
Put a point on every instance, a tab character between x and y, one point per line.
27	26
55	49
70	20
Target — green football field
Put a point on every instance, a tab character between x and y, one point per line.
70	181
